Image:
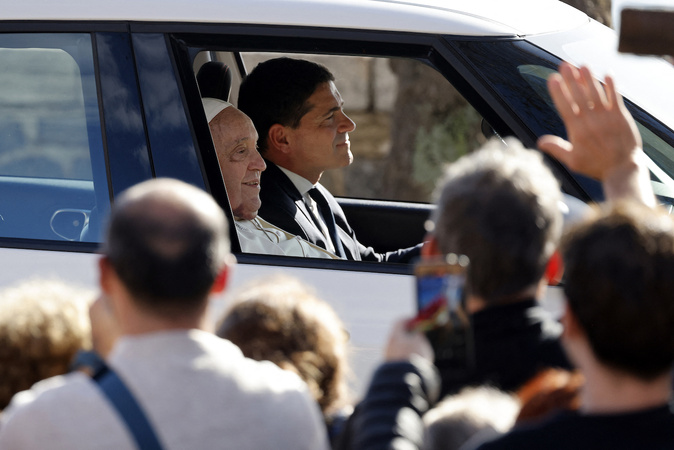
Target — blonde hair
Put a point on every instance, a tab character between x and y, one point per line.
43	323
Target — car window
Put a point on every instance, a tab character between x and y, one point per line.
51	149
410	122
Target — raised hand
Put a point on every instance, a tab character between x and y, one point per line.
603	139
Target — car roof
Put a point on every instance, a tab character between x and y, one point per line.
474	17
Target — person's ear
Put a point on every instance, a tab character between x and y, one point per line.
105	273
277	138
221	280
570	323
554	269
430	249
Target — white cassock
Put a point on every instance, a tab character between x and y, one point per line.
259	236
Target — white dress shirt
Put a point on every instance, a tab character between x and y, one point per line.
259	236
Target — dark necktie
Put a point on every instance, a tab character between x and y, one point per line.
329	219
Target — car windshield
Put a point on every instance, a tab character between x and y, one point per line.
518	70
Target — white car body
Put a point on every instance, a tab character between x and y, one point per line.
367	301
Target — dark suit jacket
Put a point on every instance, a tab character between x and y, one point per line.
283	206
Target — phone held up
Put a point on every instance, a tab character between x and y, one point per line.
442	315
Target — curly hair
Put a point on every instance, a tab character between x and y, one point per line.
281	321
43	323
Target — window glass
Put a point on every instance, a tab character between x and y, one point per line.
410	121
523	70
49	130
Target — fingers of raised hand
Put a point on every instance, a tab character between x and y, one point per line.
562	97
556	146
595	96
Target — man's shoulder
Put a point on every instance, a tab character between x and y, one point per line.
652	428
232	363
274	176
276	189
62	411
551	433
51	390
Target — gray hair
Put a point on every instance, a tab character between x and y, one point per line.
461	418
500	207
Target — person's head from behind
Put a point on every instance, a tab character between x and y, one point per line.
166	249
298	114
473	415
500	207
619	289
235	141
43	324
280	320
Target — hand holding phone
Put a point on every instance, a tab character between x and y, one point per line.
442	316
403	343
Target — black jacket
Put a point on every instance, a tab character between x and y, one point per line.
651	429
380	420
512	343
283	206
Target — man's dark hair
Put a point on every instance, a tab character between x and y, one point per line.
619	286
276	91
500	207
167	242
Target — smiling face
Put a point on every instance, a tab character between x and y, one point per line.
235	141
321	141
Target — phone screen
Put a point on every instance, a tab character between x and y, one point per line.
441	315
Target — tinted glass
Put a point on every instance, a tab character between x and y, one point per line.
518	71
49	129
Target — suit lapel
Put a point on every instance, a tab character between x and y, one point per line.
344	230
305	224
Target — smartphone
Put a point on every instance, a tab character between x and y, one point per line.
441	315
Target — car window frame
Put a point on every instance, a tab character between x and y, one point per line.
104	196
188	40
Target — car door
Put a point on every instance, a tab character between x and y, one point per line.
368	296
72	136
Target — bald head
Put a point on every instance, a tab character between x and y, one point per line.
167	241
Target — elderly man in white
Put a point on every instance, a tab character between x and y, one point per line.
235	140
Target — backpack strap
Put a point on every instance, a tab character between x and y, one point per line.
128	408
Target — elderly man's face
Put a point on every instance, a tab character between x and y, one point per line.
235	142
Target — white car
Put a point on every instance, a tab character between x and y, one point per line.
96	96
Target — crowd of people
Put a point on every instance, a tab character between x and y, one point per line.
145	369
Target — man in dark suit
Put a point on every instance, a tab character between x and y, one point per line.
303	131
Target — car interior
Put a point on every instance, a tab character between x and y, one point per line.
218	79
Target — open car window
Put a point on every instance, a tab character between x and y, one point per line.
52	170
405	131
395	161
